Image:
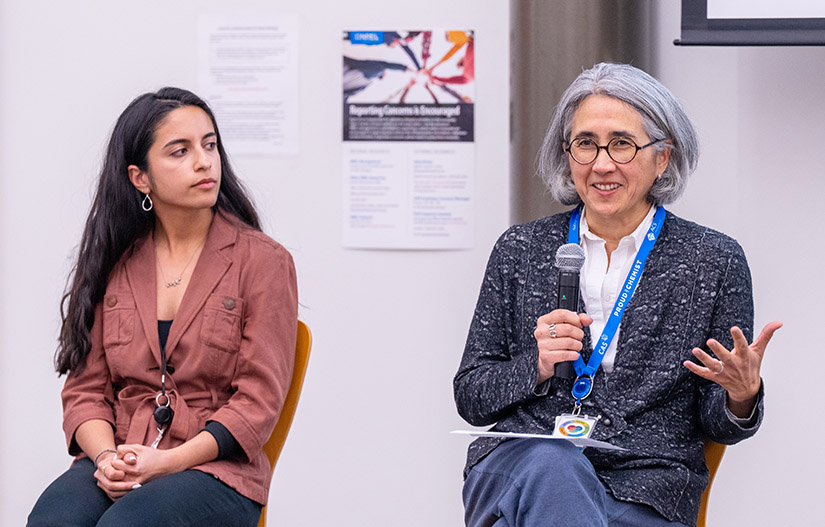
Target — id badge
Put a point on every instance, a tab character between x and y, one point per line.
571	426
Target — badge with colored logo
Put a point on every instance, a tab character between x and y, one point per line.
571	426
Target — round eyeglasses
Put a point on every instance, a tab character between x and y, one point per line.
584	150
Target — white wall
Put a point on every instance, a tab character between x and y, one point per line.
370	443
760	115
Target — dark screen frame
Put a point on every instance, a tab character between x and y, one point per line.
697	30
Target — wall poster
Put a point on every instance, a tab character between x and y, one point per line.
408	139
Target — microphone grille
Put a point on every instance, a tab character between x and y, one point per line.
570	257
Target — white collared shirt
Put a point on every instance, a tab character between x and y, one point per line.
600	285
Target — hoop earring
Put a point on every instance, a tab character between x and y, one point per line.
143	204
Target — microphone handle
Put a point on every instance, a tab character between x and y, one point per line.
568	295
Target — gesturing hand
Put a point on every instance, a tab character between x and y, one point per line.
559	337
737	370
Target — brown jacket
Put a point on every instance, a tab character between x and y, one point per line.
231	346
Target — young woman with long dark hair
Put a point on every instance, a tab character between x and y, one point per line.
178	333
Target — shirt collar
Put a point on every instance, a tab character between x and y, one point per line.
637	237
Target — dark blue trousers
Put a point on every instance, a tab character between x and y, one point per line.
189	498
546	483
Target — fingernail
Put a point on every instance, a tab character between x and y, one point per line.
136	486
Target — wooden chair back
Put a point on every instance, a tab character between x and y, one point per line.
713	457
276	441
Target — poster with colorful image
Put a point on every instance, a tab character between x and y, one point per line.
408	86
408	133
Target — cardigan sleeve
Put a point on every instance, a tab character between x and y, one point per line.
497	370
733	307
266	356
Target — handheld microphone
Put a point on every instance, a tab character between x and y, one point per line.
569	261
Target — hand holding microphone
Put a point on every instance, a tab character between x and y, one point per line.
559	333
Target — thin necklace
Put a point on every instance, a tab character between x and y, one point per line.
177	281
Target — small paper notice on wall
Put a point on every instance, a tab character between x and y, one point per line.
248	73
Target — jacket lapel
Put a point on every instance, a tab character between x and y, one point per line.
212	264
140	273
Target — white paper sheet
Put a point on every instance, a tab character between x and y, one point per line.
408	195
578	441
248	72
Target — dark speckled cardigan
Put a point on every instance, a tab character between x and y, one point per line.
696	285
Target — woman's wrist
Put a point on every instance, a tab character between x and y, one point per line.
741	408
174	461
200	449
106	452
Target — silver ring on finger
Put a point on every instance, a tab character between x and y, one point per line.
551	330
721	368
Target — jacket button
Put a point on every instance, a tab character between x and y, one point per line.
111	301
606	421
229	303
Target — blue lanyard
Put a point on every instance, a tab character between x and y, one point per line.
583	384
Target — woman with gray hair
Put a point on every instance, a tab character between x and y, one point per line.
659	341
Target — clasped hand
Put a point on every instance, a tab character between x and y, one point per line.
129	468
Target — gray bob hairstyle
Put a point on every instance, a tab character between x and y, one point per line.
662	118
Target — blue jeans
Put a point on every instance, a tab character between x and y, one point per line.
188	498
544	483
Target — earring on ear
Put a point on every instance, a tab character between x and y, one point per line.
146	206
659	176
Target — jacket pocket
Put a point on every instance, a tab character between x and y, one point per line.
222	318
118	320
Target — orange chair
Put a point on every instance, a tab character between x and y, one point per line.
713	456
276	441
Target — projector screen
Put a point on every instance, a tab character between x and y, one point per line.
752	23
